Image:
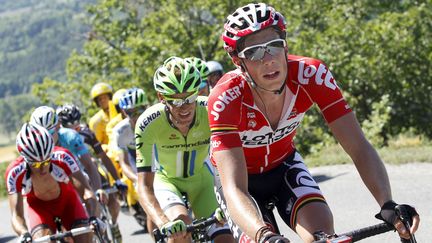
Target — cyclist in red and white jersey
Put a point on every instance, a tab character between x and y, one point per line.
254	112
47	176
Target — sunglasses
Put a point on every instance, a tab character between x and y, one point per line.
179	102
37	165
134	112
257	52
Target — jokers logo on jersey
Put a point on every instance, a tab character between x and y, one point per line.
224	99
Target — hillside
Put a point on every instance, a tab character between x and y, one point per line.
37	37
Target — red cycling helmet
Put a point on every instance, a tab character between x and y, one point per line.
247	20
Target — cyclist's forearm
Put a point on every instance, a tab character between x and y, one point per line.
150	204
148	199
19	225
109	165
92	171
243	211
374	175
91	203
127	169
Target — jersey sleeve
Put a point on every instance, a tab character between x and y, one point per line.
13	177
224	112
65	159
145	141
322	89
76	143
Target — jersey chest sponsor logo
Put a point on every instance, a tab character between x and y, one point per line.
266	136
215	144
224	99
322	75
63	157
149	119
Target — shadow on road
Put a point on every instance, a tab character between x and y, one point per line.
6	239
140	232
322	177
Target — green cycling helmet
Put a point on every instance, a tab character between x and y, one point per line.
200	65
176	76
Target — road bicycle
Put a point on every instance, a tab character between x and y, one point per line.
109	236
61	236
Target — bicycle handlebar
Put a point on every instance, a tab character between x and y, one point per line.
196	225
62	235
359	234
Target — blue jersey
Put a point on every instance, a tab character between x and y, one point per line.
72	140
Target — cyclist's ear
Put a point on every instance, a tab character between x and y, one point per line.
160	97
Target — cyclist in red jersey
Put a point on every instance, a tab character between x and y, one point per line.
254	112
47	177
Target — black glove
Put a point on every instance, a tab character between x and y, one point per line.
90	139
273	238
391	212
25	238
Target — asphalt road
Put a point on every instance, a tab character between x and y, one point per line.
352	205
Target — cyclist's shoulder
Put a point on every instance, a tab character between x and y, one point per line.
68	135
152	118
229	87
295	59
122	126
15	168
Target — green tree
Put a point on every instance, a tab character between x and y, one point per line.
374	48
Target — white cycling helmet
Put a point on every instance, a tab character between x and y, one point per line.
44	116
132	98
214	66
34	143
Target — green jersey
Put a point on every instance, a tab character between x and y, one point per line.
161	147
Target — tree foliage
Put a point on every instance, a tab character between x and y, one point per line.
374	48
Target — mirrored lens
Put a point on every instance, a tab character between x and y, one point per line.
180	102
37	165
257	52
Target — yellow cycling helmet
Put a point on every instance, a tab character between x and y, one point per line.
117	95
101	88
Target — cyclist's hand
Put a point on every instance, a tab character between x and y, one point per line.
102	196
121	186
98	224
220	216
405	219
174	229
271	237
25	238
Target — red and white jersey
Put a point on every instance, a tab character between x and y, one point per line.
236	121
17	175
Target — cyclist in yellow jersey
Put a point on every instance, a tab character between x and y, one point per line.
119	117
111	124
101	93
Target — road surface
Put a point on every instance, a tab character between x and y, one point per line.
352	205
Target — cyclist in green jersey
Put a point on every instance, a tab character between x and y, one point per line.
172	143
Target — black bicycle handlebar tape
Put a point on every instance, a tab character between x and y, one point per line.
201	224
159	236
369	231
